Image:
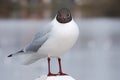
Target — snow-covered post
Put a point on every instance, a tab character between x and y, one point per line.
45	77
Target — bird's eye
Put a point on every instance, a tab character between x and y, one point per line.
68	15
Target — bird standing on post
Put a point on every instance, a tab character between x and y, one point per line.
59	36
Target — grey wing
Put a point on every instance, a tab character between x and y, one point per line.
36	43
39	39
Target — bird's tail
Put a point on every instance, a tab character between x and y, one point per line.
25	58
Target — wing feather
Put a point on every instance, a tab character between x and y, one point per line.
39	39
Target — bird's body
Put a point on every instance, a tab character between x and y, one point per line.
62	38
58	37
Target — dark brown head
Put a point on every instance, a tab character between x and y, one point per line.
64	15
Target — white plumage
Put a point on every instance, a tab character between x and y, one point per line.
62	38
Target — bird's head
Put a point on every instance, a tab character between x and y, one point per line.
64	15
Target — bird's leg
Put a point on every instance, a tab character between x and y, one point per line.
49	72
60	67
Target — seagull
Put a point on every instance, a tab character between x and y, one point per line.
59	37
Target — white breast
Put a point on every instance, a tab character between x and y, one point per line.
62	38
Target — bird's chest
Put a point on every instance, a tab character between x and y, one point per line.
61	39
64	35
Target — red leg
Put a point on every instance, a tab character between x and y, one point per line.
60	67
49	72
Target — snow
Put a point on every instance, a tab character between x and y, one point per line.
45	77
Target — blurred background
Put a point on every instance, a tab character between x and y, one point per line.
95	56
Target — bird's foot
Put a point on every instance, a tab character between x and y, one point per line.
62	74
51	74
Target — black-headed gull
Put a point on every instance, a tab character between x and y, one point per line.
60	35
